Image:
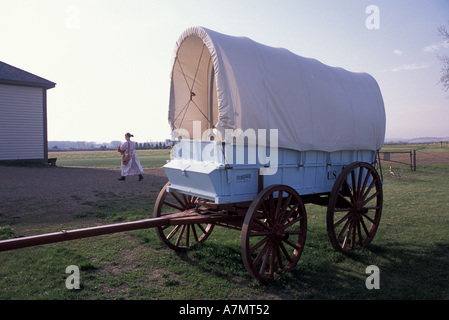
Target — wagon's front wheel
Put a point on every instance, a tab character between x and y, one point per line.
273	232
355	207
183	236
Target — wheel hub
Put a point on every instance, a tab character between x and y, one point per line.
278	233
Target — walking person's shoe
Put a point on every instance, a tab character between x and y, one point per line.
140	177
122	178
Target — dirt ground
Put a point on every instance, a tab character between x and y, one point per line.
433	158
56	194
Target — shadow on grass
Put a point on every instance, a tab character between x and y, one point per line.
406	273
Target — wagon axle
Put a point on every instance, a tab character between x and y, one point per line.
273	226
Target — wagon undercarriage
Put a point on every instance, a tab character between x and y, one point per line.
273	226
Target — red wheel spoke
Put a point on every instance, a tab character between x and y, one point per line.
371	198
359	232
365	228
264	226
279	257
285	208
349	190
354	189
349	238
187	237
265	211
259	234
296	246
273	233
179	237
185	198
347	226
342	210
272	260
263	253
267	261
355	206
195	235
346	217
203	230
359	183
290	213
183	204
271	202
368	190
344	204
368	217
285	252
178	240
292	222
173	205
278	206
173	232
364	190
258	244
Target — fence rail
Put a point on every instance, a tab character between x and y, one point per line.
387	157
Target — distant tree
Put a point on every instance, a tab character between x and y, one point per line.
115	143
444	33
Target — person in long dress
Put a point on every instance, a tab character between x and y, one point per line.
133	167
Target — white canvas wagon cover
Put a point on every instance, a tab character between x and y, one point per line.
229	82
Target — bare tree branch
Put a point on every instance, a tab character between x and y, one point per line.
444	33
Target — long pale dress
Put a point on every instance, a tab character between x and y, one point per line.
133	167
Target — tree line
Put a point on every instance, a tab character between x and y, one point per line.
82	145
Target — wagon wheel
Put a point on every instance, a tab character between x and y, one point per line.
273	232
355	207
179	237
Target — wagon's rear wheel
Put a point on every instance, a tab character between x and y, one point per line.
179	237
355	207
273	232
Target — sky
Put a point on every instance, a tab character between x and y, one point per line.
111	60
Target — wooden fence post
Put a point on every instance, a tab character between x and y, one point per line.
414	160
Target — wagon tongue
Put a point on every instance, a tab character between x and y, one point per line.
186	217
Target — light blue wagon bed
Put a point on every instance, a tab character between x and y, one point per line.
257	133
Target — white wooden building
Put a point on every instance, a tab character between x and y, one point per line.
23	115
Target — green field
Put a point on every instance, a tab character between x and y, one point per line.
108	159
411	250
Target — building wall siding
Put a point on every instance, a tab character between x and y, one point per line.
22	123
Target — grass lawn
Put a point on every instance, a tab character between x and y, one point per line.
108	159
411	250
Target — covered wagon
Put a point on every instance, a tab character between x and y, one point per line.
259	131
